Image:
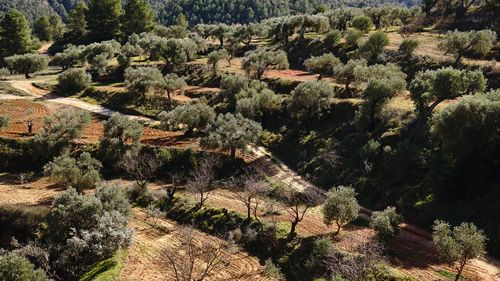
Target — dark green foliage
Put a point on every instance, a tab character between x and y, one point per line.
27	64
362	23
103	19
15	34
138	17
77	25
14	267
73	81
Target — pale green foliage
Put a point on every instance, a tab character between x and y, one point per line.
84	229
70	57
73	80
372	48
14	267
340	207
459	244
4	121
273	271
322	247
469	128
218	31
429	88
386	224
256	103
309	99
352	37
58	131
216	56
27	64
379	83
231	132
362	23
81	173
98	56
346	72
332	38
173	83
304	23
257	62
143	80
121	134
191	116
408	46
460	43
322	65
127	52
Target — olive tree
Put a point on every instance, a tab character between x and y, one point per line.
379	83
258	103
172	83
70	57
346	72
248	188
257	62
340	207
121	134
386	224
73	81
214	58
143	80
190	116
27	64
353	37
297	204
373	47
80	173
460	43
58	131
309	99
459	244
14	267
86	228
362	23
141	166
322	65
430	88
231	132
305	22
99	56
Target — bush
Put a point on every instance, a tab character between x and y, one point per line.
84	229
4	121
362	23
408	46
14	267
73	81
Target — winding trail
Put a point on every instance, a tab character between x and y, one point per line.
27	87
415	239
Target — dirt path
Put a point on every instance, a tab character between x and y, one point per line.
422	261
27	86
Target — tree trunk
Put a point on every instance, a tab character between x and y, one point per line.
293	226
249	209
233	153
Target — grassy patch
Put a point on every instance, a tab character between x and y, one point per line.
449	275
106	270
6	88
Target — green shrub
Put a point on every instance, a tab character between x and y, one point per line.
17	268
73	81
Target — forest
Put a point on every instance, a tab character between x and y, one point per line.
249	140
